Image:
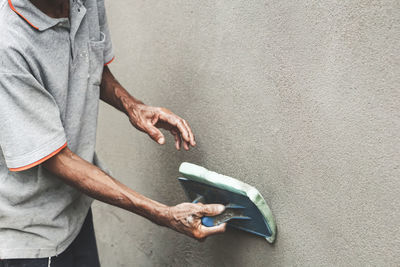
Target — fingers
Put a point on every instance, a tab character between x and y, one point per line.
207	231
186	145
191	135
212	209
185	131
180	124
177	137
155	134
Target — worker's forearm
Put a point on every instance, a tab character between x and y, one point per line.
112	92
92	181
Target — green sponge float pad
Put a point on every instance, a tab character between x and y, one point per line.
202	175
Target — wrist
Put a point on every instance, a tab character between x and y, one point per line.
162	215
126	102
129	105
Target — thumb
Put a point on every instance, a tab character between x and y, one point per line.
155	134
219	229
212	209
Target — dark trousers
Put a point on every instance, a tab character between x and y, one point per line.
81	253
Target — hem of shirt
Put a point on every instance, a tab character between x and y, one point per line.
34	156
37	253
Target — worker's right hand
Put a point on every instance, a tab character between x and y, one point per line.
186	218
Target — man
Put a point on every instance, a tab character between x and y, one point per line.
53	71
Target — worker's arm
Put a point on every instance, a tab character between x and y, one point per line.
145	118
89	179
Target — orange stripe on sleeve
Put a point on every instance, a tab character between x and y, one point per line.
109	61
39	161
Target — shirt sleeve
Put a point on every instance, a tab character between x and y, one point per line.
108	50
31	130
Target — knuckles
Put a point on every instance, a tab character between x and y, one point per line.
163	110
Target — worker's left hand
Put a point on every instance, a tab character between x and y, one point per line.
148	119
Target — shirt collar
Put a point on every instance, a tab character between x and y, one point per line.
32	15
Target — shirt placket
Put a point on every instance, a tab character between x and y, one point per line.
77	13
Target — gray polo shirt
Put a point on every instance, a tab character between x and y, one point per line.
50	72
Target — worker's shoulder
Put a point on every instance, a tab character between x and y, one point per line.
14	31
14	41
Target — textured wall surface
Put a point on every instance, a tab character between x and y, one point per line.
299	98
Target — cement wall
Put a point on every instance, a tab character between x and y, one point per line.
299	98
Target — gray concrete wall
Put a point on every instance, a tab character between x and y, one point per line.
298	98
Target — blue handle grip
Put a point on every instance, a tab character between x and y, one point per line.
207	221
221	218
